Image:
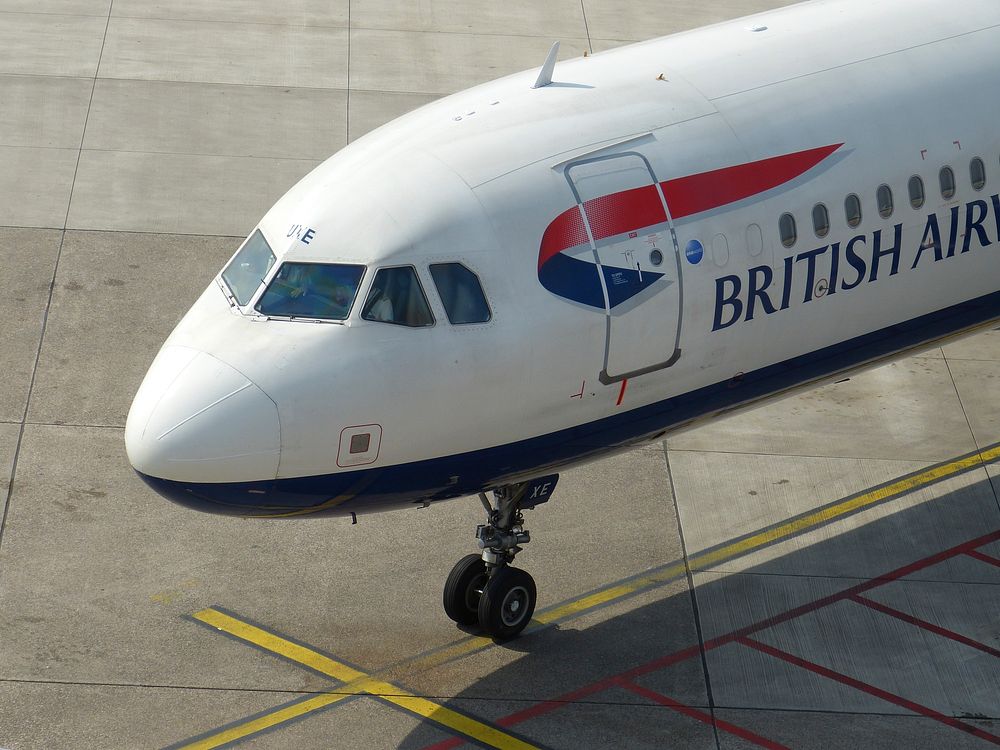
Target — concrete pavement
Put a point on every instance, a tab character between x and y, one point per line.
816	573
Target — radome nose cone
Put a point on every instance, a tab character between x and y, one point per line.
196	419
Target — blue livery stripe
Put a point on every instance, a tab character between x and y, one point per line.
468	473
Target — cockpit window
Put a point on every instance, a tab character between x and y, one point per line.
247	270
461	293
312	290
397	297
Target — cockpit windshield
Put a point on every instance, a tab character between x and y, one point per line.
246	271
312	290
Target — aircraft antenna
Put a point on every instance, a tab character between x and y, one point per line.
545	74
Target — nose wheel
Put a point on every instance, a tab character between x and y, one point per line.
464	589
486	589
507	603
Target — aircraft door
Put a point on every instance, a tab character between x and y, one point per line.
637	261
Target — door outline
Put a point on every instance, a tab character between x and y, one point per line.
605	377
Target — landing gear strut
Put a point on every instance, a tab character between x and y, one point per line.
485	588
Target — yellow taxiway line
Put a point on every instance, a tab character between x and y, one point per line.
357	682
263	723
779	532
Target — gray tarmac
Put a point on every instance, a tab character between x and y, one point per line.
823	572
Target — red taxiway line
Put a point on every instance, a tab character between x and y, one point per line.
544	707
870	689
895	575
741	636
936	629
702	716
983	557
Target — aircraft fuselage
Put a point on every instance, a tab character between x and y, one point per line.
667	233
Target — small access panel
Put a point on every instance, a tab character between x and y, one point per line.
359	445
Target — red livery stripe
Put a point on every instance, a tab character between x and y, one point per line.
619	213
565	231
638	208
701	192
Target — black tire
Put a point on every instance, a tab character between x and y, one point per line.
461	590
507	603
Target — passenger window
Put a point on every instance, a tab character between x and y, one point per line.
821	220
755	240
397	297
312	290
720	250
947	179
916	187
852	210
786	228
883	197
461	293
977	173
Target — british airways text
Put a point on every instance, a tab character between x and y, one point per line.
863	259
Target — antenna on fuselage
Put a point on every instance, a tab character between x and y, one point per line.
545	74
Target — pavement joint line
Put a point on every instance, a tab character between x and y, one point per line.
897	459
199	154
219	84
12	146
355	682
50	13
119	427
216	84
347	97
693	599
84	230
319	26
64	76
126	17
547	37
308	26
751	542
271	24
965	413
9	495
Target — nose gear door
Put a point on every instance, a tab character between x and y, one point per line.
637	261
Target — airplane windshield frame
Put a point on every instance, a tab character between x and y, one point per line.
317	291
246	271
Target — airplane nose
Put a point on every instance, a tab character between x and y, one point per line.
196	419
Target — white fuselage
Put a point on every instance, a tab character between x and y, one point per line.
624	225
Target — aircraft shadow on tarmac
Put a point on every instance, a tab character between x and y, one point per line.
797	702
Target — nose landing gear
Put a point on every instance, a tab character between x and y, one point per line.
486	589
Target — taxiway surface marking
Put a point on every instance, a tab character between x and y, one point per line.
356	682
742	636
604	596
